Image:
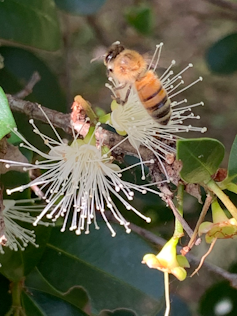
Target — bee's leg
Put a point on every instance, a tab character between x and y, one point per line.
118	98
120	86
127	94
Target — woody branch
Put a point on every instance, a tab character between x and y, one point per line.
63	121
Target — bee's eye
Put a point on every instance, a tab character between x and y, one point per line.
108	58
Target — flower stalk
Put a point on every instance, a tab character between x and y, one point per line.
167	259
167	294
178	232
213	186
16	309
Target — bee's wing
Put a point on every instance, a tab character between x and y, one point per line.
152	64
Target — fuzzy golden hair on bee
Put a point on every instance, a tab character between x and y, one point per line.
128	67
124	64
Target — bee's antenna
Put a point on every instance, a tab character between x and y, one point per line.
104	55
98	57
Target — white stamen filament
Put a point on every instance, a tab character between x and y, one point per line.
81	177
18	237
133	119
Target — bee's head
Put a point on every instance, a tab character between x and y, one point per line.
115	49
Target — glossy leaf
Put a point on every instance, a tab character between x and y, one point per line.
109	269
32	23
120	312
222	56
36	282
232	165
11	179
200	157
19	67
81	7
38	304
140	17
6	119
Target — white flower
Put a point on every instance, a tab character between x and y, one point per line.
13	235
133	119
80	176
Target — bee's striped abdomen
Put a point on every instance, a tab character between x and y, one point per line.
154	98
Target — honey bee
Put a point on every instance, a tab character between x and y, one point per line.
128	67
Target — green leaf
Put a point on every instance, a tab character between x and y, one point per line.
12	179
80	7
141	18
232	165
5	296
120	312
7	121
109	269
38	304
32	23
222	56
37	283
200	157
19	67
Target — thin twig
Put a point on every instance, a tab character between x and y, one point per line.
35	188
32	110
224	4
62	121
200	220
204	257
29	86
204	16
